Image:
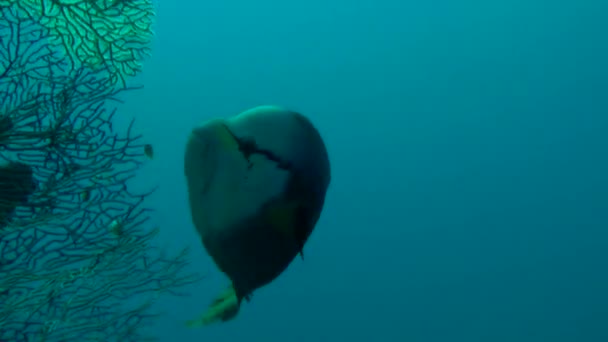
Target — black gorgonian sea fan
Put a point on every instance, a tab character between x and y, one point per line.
78	257
110	34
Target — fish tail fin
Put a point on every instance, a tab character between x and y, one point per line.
224	308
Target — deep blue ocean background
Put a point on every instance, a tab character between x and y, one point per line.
468	141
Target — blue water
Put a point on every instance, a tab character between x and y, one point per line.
468	141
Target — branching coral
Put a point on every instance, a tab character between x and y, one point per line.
110	34
77	255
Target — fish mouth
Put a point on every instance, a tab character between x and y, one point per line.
198	134
196	145
197	137
197	152
205	145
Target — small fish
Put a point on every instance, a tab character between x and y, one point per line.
73	167
116	228
149	151
85	195
103	178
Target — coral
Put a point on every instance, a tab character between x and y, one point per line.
110	34
78	257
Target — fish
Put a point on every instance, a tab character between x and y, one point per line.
149	151
85	195
256	188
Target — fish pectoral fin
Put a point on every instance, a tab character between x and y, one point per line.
291	220
224	308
